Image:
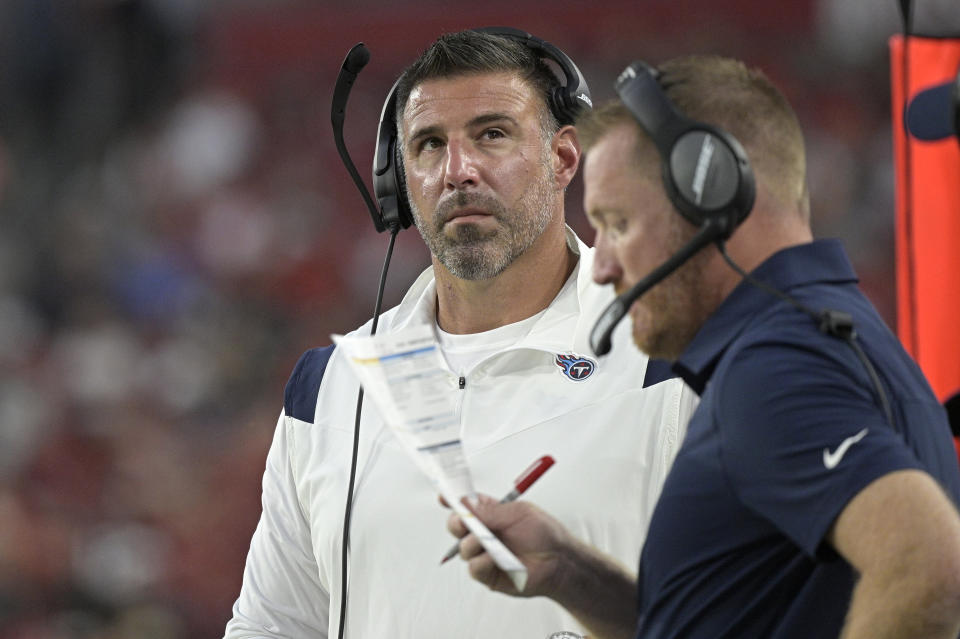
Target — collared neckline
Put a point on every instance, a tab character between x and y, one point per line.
821	261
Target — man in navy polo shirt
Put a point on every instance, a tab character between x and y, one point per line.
815	493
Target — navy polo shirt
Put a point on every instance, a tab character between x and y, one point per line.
788	430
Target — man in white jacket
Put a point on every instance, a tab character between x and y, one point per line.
487	155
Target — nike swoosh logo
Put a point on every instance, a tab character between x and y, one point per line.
830	460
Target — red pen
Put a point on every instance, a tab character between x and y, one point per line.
520	486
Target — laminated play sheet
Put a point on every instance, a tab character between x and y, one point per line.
403	374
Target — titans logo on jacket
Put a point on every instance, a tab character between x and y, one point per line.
575	367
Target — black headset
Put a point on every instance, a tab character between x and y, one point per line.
566	101
706	172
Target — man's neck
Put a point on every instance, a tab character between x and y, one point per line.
751	246
523	289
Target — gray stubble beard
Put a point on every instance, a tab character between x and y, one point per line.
474	254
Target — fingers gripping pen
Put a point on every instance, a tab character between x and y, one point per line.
520	486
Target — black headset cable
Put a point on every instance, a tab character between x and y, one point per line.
348	510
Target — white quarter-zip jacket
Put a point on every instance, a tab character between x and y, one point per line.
613	431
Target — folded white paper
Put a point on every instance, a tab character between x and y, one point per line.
403	374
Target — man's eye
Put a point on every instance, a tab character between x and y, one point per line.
493	134
430	144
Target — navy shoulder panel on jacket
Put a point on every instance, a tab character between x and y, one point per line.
300	395
658	370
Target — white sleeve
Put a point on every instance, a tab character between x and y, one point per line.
281	596
680	403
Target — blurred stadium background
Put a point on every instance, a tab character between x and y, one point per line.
176	228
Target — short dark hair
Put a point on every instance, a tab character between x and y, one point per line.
470	52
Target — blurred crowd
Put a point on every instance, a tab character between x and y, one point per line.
176	228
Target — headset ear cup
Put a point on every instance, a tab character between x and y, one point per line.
404	211
706	172
560	106
388	170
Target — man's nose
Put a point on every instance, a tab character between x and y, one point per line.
461	166
606	268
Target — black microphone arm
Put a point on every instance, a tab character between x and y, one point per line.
602	332
356	59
